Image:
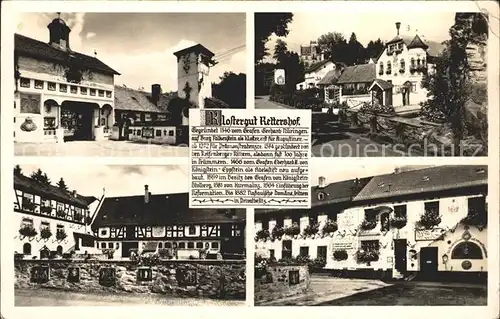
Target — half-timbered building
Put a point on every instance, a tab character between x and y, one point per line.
164	223
50	221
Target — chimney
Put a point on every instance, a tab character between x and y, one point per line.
397	170
146	194
398	25
73	193
155	93
321	182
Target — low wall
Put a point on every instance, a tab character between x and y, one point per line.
281	281
200	278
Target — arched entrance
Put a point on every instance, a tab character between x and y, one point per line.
105	117
405	92
467	250
77	119
59	250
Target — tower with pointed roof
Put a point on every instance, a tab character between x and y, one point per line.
59	33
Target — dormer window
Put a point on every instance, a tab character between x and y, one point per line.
480	171
425	178
321	196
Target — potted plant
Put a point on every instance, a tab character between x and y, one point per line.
340	255
28	204
367	256
330	227
45	233
60	213
77	216
262	234
476	218
61	234
27	231
398	222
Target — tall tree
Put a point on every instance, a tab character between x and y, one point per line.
356	51
62	185
334	46
231	89
17	170
267	24
280	51
374	48
40	177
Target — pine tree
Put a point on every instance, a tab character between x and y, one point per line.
62	185
17	170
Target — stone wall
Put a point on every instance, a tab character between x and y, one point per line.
279	282
199	278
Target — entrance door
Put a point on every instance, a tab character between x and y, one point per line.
77	119
322	251
429	262
126	246
400	247
286	251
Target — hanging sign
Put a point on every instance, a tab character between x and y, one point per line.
279	76
428	234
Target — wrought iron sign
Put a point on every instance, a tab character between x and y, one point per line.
107	276
144	274
293	277
73	274
40	274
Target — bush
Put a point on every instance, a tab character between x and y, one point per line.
368	224
262	234
278	232
340	255
292	230
330	227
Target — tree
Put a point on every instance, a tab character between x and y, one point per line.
267	24
374	48
356	51
62	185
334	46
40	177
231	89
280	51
17	170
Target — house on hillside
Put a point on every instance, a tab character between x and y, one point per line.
51	221
314	73
311	54
401	66
164	223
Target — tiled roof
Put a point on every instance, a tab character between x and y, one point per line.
431	179
337	192
135	100
198	48
162	209
362	73
316	66
26	46
31	186
215	103
384	85
330	78
417	43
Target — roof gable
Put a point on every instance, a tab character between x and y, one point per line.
25	46
316	66
362	73
127	99
197	48
417	43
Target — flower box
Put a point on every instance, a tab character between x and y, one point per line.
330	227
27	231
46	209
277	232
475	219
429	219
45	233
292	230
367	256
340	255
60	213
61	234
262	234
77	217
311	229
398	222
28	205
368	224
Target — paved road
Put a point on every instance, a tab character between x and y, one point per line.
105	148
339	141
43	297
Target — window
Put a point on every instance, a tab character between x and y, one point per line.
370	245
110	245
104	232
190	245
101	93
199	245
322	252
477	206
83	91
271	254
38	84
158	133
103	245
44	225
51	86
160	245
432	208
286	252
60	227
321	196
182	245
170	133
467	250
370	214
402	66
389	67
418	62
108	94
400	211
381	66
215	245
304	251
63	88
27	249
192	230
168	245
73	89
92	92
27	222
25	83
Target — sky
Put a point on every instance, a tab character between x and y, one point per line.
309	26
140	46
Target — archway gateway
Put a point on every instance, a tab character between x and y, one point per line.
77	120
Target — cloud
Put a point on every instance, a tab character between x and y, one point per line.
90	35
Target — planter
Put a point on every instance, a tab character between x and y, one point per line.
429	220
28	205
368	224
311	230
46	209
479	220
363	256
27	231
262	234
61	235
340	255
398	222
330	227
293	230
61	214
45	233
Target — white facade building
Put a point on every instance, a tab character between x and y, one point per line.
315	73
